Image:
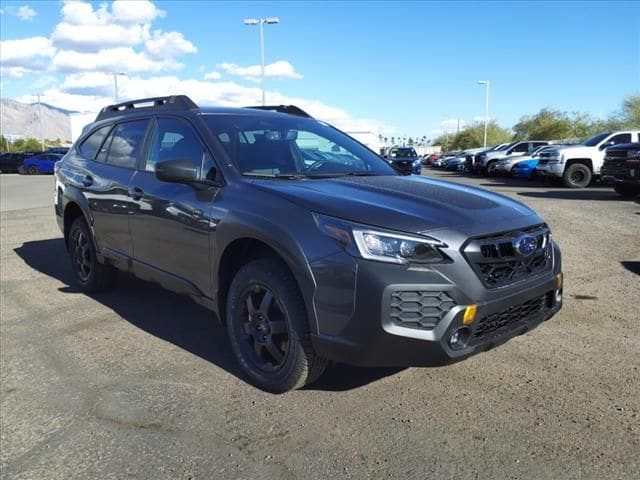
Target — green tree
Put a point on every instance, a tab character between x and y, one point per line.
26	145
547	124
472	136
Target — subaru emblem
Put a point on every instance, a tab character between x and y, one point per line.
525	244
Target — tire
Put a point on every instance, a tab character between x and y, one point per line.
627	190
89	274
32	170
576	175
268	328
491	169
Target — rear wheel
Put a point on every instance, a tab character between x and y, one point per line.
268	328
32	170
89	274
577	175
627	190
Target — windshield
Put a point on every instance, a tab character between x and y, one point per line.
292	147
403	152
593	141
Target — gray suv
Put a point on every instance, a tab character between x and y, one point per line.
307	245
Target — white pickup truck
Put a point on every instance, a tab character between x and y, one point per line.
576	165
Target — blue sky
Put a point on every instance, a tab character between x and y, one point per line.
403	67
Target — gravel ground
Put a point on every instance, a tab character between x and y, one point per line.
140	383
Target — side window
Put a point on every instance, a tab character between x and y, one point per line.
173	140
125	143
90	146
622	138
523	147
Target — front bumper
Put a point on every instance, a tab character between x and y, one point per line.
358	326
550	170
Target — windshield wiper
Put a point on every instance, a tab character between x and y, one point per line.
285	176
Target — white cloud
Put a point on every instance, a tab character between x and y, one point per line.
279	69
135	11
26	55
26	13
90	91
122	59
163	45
448	126
99	39
213	76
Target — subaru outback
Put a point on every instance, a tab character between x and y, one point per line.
308	246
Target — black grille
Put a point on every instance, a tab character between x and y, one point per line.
495	322
615	166
497	263
419	308
616	153
404	165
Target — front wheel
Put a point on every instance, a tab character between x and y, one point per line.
491	169
577	175
268	328
32	170
627	190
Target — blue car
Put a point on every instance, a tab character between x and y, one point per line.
416	167
525	169
42	163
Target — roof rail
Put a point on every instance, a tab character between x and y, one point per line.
289	109
174	102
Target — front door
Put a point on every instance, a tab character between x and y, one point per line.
171	228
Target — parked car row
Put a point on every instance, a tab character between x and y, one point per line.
31	163
613	157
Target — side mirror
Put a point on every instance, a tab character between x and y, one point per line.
181	170
607	144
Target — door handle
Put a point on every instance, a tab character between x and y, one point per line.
87	181
136	193
197	213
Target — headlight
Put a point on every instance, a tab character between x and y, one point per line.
633	156
361	241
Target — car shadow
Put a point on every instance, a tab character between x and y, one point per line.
174	318
633	267
570	194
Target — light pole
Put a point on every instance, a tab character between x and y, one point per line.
115	83
261	22
486	108
40	118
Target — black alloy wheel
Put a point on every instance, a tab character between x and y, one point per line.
89	274
268	327
264	332
81	254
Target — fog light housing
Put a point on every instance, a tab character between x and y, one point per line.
459	338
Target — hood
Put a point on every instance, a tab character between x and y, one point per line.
412	204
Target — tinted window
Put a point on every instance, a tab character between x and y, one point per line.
593	141
622	138
125	143
289	145
173	140
523	147
90	146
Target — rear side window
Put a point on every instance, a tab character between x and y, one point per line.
90	146
124	144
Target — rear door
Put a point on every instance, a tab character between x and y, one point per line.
171	226
106	182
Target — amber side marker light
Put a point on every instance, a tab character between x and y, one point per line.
469	314
559	280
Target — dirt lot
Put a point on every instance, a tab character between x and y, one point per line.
140	383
